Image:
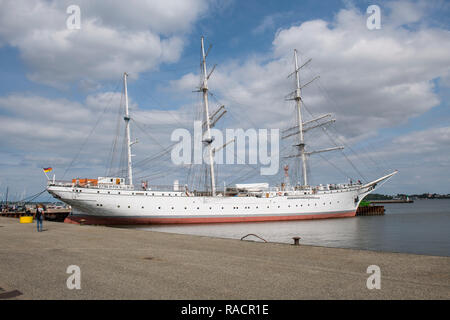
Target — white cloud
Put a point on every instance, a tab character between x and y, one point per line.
373	79
405	12
422	158
370	80
268	23
115	36
45	132
434	140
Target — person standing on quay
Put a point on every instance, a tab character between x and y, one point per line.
39	217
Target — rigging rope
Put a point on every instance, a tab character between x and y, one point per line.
328	97
116	138
32	197
91	132
335	144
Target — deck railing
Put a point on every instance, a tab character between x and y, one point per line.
298	190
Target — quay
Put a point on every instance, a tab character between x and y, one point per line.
58	215
392	201
370	211
137	264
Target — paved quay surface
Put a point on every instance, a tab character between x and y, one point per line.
132	264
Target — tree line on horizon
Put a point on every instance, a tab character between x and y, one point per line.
377	196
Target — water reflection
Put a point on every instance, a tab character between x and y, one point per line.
421	227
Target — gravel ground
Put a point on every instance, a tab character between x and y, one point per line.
133	264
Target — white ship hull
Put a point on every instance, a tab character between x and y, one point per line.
107	206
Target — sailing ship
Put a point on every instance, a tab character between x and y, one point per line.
115	200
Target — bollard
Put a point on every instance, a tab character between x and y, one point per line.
296	241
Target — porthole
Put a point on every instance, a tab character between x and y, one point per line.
159	207
129	207
118	206
172	208
98	191
142	207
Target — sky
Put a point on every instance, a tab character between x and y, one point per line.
61	89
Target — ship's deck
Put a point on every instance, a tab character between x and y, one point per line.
170	190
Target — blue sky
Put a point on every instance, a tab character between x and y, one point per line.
388	88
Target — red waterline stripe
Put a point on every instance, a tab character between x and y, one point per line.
145	220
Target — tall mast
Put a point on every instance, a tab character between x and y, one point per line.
127	130
208	139
298	99
6	199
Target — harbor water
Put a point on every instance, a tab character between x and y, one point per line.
422	227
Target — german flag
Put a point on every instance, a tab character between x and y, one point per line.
47	169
